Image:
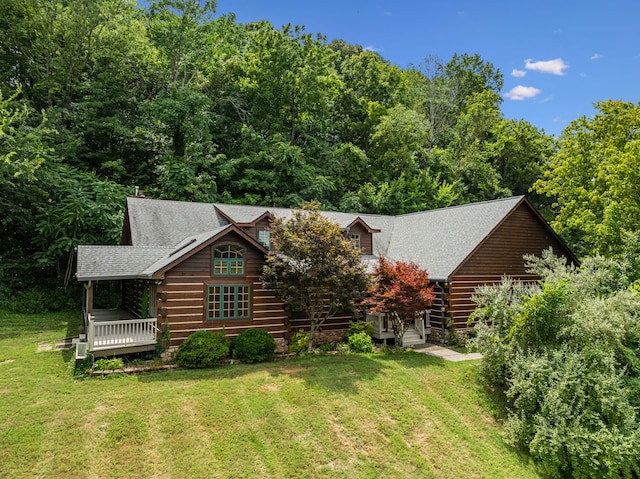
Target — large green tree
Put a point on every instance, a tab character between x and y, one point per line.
594	179
314	268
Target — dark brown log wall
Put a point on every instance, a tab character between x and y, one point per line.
437	312
181	297
366	241
132	292
501	254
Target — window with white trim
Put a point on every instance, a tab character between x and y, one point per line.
264	238
228	301
355	240
228	259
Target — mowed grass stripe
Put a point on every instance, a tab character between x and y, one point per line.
354	416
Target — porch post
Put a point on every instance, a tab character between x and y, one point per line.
90	331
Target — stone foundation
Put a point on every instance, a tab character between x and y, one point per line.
281	345
332	336
436	335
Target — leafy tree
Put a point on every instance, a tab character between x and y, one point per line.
406	194
23	148
398	141
593	179
80	209
433	94
470	75
402	291
468	156
289	80
367	80
25	153
314	268
566	356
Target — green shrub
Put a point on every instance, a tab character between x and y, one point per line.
298	342
81	366
105	364
254	346
36	300
343	348
360	327
202	349
360	343
565	355
326	347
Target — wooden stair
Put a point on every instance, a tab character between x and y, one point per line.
412	338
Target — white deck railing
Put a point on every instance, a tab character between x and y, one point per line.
123	333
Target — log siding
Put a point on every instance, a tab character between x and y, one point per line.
501	254
183	299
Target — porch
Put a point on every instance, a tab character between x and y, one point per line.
415	334
115	331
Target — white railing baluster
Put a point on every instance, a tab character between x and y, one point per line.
121	333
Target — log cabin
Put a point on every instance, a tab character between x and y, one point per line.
184	267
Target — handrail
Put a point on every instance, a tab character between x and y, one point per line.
121	333
128	321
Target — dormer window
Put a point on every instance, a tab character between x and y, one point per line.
264	238
228	260
355	240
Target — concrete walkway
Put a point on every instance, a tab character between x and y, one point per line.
445	353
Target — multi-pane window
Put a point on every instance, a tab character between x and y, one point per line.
264	238
228	301
355	240
228	259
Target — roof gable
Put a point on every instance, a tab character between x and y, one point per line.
440	240
147	262
364	224
244	215
190	246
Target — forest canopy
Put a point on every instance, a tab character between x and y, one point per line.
101	96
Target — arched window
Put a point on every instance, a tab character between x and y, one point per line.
228	259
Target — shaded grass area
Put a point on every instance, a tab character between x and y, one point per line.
376	415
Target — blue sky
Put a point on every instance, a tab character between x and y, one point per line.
557	57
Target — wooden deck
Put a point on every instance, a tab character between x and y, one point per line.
115	331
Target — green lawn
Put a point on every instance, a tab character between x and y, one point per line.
404	415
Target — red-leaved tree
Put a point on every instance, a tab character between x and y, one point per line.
401	291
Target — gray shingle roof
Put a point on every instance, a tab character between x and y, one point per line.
129	262
437	240
167	223
440	240
116	262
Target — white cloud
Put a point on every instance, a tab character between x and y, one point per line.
596	56
518	73
371	48
555	66
522	92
